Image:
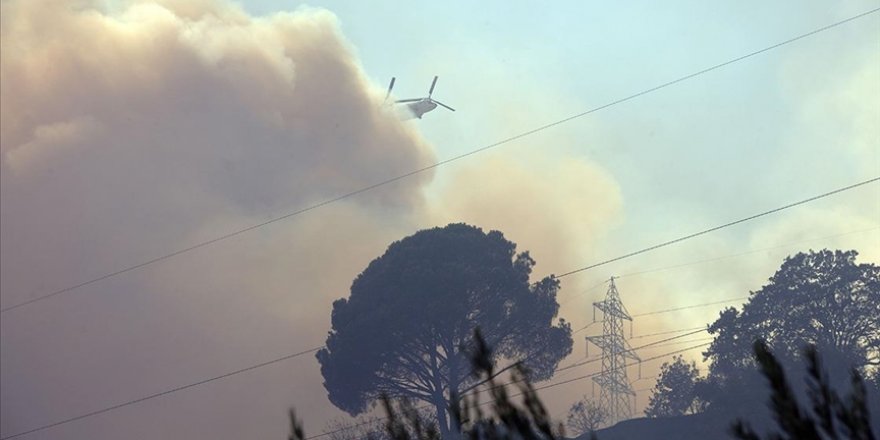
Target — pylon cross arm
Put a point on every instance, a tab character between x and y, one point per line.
601	342
614	308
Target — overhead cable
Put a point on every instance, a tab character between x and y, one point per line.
725	225
163	393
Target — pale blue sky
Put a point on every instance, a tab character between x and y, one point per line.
713	148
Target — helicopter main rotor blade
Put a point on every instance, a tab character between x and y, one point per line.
390	86
408	100
434	83
444	105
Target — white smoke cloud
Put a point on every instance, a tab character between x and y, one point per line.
558	213
132	130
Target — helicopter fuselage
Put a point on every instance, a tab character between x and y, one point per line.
416	107
421	107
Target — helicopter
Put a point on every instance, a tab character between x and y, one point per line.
418	106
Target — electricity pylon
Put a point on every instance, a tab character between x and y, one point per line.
615	387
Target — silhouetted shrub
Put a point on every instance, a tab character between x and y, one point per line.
830	418
505	419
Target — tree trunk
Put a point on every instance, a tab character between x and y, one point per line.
454	396
442	421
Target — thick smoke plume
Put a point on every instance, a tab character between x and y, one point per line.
132	130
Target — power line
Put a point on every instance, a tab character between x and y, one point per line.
346	428
181	388
597	358
732	223
659	343
590	361
669	339
435	165
585	327
264	364
551	385
657	312
691	306
652	344
163	393
666	332
584	292
655	344
318	348
684	342
571	366
753	251
704	261
236	372
597	373
624	366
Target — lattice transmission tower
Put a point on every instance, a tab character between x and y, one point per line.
615	389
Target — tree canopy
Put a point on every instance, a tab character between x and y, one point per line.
673	394
586	416
816	298
408	322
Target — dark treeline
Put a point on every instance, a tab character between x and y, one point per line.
829	415
823	300
404	339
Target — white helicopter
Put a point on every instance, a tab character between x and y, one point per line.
418	106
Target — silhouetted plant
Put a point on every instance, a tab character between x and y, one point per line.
364	428
674	394
506	419
296	430
529	421
831	418
405	422
586	416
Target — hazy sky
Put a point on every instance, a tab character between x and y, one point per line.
130	130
